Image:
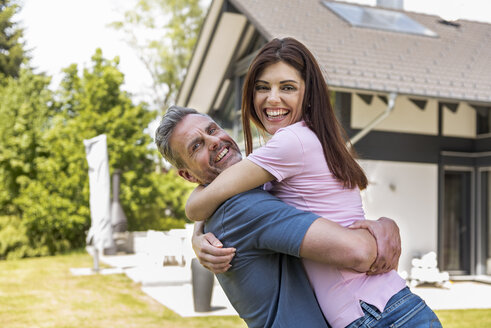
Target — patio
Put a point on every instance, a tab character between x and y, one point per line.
171	286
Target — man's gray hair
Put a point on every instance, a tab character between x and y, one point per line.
171	118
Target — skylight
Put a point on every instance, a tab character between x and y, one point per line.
378	18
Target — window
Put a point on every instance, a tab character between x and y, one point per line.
377	18
483	119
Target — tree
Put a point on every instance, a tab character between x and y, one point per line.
25	113
24	116
43	170
11	49
91	104
173	26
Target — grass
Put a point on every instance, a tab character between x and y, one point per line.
465	318
41	292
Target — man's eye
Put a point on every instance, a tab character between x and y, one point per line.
212	130
195	146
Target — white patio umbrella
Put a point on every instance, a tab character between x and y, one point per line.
100	232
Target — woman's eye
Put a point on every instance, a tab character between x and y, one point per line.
261	88
289	88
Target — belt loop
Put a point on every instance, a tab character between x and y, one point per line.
371	310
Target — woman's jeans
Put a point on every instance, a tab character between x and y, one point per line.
404	309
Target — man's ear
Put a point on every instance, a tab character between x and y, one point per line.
187	176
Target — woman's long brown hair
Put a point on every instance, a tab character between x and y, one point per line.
317	111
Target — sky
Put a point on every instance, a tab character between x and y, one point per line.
62	32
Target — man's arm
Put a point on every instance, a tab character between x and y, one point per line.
386	232
209	250
328	242
325	241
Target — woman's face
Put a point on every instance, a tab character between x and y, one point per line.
278	96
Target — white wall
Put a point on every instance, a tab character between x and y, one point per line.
408	194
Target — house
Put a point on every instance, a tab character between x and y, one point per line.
413	92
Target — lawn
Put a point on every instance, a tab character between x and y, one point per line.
41	292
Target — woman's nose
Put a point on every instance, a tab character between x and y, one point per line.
273	97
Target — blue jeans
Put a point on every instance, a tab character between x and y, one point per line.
404	309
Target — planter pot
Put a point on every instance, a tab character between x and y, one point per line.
202	280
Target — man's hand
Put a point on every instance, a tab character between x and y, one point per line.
210	252
386	233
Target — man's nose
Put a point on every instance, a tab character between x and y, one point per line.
212	142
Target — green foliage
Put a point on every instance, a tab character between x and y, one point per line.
24	117
165	200
11	49
174	25
93	104
14	242
29	175
44	189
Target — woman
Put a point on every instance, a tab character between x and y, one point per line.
307	164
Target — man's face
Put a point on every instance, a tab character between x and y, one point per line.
204	147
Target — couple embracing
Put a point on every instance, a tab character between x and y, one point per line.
284	229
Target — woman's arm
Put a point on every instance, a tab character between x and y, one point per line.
238	178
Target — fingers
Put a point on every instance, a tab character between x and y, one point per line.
360	224
384	261
217	260
387	258
216	265
377	271
213	240
216	268
211	254
379	268
206	241
216	252
386	233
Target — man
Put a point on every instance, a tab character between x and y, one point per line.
266	283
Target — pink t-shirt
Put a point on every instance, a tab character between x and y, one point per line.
294	156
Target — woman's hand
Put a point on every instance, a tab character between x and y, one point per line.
209	250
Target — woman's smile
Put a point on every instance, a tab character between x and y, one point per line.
278	96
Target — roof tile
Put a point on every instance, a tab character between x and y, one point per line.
456	64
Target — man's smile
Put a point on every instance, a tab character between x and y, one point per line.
221	154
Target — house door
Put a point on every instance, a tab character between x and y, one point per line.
484	221
455	226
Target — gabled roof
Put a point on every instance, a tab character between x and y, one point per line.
455	65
